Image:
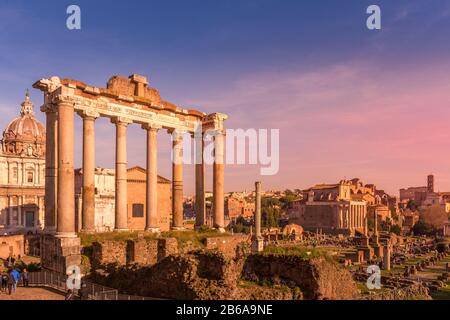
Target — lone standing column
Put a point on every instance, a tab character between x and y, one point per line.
258	209
387	257
51	167
88	213
121	223
200	205
218	181
177	179
66	179
257	240
151	218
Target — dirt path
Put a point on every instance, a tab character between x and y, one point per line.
32	293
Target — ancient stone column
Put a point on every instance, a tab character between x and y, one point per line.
257	239
66	180
200	204
151	218
375	223
177	179
218	181
387	257
121	218
51	168
88	192
258	209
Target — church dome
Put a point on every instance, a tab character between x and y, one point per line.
25	135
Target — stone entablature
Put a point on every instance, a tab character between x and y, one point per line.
116	102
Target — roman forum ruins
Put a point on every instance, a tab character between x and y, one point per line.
124	101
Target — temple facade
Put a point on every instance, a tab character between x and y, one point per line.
334	208
22	173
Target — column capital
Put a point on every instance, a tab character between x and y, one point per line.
215	132
176	131
48	108
177	134
121	121
88	114
151	126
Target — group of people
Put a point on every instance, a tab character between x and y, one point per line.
10	279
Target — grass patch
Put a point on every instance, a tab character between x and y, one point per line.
265	284
441	294
183	237
302	252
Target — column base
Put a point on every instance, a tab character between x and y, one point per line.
59	253
153	230
257	244
220	229
87	231
65	235
49	230
178	228
121	230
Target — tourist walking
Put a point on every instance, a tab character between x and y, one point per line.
4	279
25	277
10	283
15	275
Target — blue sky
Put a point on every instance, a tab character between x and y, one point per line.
251	59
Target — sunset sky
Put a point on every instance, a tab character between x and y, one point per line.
349	102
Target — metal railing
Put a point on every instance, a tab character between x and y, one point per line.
88	290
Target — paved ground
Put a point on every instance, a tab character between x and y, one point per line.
34	293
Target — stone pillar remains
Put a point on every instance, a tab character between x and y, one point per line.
88	192
218	181
387	257
257	240
375	224
121	218
177	179
200	203
51	168
151	218
66	178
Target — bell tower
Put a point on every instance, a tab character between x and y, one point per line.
430	184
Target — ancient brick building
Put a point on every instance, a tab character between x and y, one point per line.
105	199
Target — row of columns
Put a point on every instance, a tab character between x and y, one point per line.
59	188
352	216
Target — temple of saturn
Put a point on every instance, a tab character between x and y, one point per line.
125	100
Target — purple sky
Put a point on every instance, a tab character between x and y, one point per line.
349	102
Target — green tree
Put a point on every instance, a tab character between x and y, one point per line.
269	217
411	205
423	228
396	229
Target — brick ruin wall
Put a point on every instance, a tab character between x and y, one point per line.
138	251
149	252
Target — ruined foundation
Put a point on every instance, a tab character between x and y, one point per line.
57	254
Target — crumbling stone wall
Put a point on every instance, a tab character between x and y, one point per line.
138	251
58	254
197	275
318	278
228	246
209	274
